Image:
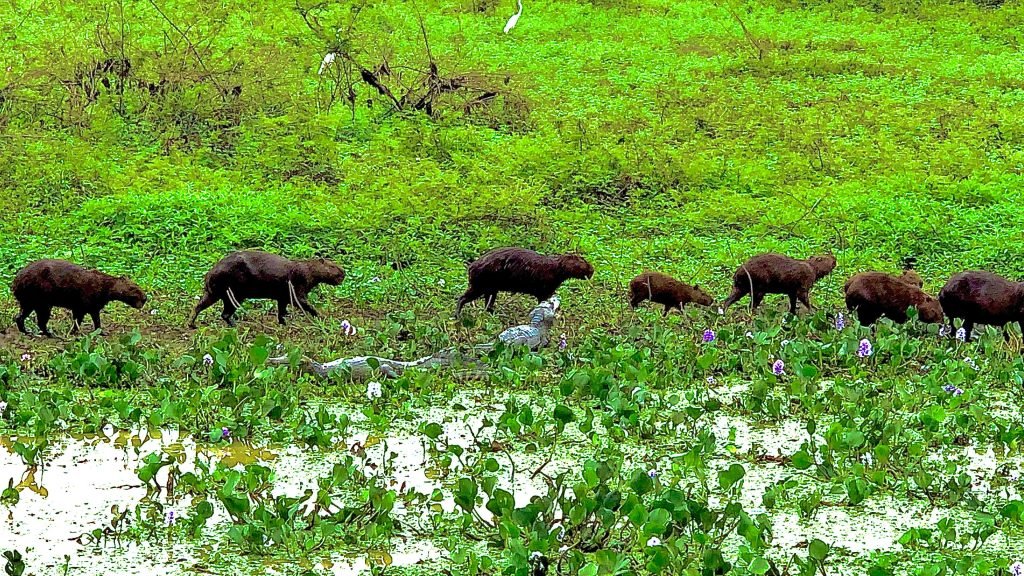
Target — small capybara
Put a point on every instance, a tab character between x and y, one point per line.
777	274
240	276
520	271
982	298
875	294
912	277
47	284
665	290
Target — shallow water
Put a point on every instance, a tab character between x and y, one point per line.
83	478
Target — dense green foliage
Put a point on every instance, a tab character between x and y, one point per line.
149	138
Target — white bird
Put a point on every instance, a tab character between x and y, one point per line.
328	60
515	17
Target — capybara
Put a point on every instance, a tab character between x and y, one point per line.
520	271
778	274
876	294
982	298
240	276
665	290
47	284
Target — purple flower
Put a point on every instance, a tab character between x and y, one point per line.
712	381
961	335
562	343
225	433
840	321
207	360
952	390
709	335
1017	569
26	357
778	368
170	518
944	331
970	362
652	473
864	350
347	328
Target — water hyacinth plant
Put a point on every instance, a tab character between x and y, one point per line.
779	368
954	390
840	322
708	336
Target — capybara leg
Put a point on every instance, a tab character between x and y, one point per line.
282	311
491	299
308	307
207	301
805	297
866	317
470	295
228	315
734	296
20	319
43	319
756	299
77	318
792	304
665	312
95	315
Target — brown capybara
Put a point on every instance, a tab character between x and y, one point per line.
912	277
982	298
777	274
665	290
875	294
240	276
520	271
47	284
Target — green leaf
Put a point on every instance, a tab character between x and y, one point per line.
564	414
657	522
818	550
759	566
728	478
802	460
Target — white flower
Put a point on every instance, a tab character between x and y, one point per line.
654	541
750	334
1017	569
712	381
3	406
652	473
208	360
26	357
328	60
721	311
375	279
970	362
961	335
535	555
108	429
153	312
374	390
347	328
440	282
785	343
563	549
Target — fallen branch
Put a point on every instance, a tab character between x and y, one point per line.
534	335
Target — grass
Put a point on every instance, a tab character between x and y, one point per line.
645	134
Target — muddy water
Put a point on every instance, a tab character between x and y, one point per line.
85	477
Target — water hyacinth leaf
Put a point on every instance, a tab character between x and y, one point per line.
465	494
432	430
729	477
657	522
802	460
564	414
591	569
818	550
809	371
759	566
641	482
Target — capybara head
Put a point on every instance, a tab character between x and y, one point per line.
326	271
701	297
929	311
128	292
912	277
822	265
575	266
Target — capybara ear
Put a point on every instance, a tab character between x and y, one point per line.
696	287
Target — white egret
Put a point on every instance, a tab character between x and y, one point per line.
515	17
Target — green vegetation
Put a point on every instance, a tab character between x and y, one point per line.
149	138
